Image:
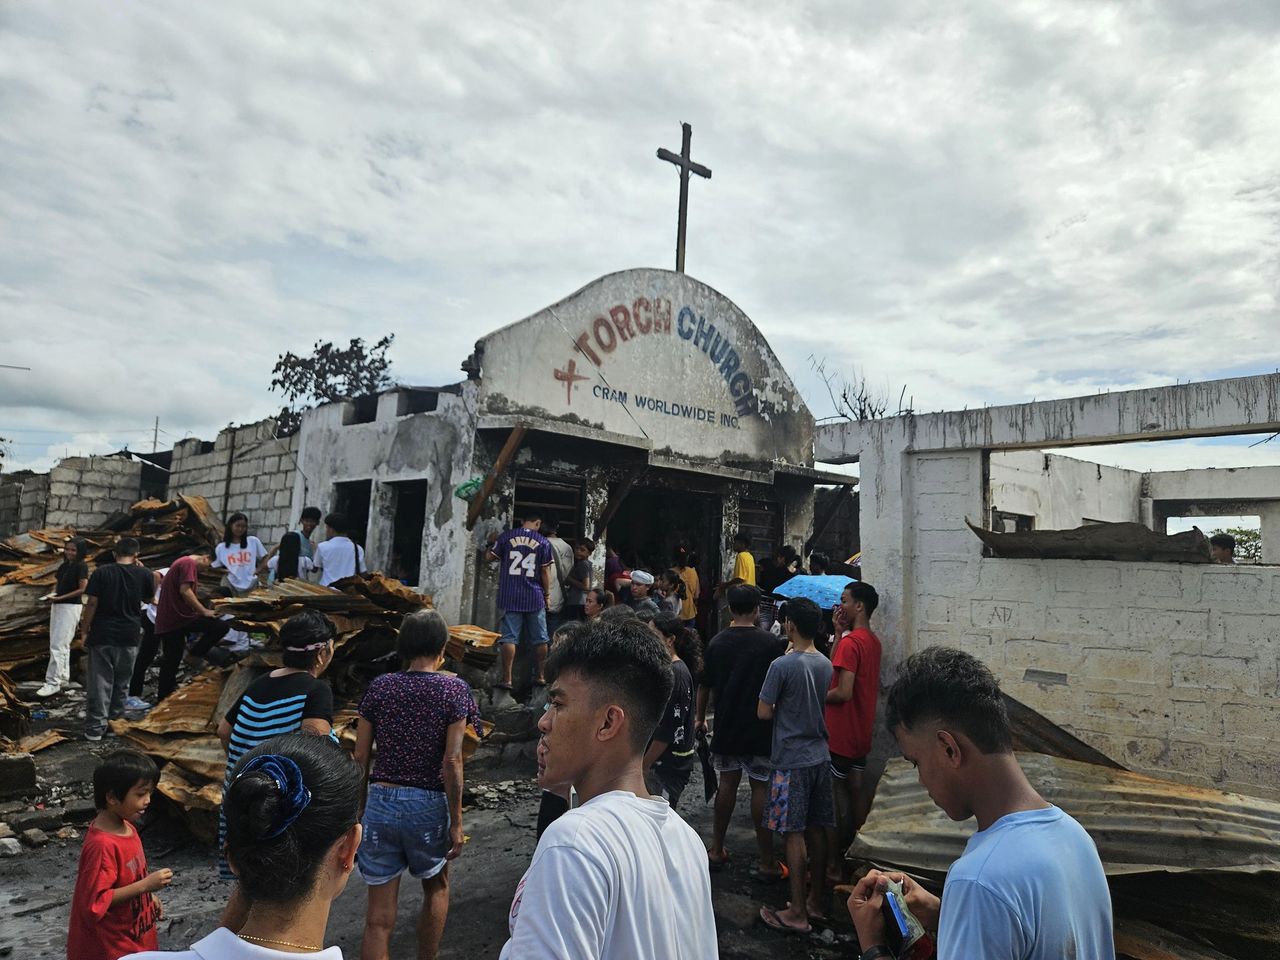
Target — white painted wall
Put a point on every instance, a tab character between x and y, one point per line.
1171	668
1061	492
436	447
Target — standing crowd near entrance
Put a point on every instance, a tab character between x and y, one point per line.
785	694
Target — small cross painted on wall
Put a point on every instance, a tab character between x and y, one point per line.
569	376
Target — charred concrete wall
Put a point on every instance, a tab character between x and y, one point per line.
85	491
1172	668
376	440
11	500
246	469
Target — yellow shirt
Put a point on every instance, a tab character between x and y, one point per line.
744	568
689	605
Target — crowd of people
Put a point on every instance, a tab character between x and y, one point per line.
631	692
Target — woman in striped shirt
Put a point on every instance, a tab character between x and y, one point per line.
288	700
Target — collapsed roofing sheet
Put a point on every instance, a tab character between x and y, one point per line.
164	529
1098	541
1189	858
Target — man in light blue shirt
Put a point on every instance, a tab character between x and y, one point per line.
1029	885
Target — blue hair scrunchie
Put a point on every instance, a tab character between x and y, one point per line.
294	795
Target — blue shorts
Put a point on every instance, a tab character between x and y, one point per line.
405	828
532	625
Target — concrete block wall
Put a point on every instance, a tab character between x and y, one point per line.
33	501
1171	669
10	505
249	470
83	492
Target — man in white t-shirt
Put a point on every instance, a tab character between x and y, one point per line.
621	876
338	556
1030	884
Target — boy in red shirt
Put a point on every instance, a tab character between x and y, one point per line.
114	909
850	712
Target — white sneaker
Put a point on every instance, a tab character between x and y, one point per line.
136	703
93	737
48	690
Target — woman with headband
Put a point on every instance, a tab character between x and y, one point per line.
291	808
288	700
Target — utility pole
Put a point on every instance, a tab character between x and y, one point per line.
155	436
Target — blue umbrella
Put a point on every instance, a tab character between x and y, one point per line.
823	590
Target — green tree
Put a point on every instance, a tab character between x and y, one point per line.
329	374
1248	543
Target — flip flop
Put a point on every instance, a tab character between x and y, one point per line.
770	918
782	874
714	864
502	686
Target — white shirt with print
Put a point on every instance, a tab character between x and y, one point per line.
241	563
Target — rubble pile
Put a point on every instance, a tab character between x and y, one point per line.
165	530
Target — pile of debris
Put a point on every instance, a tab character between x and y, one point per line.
165	530
181	731
1194	872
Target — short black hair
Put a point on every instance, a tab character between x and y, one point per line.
743	538
311	513
550	524
865	594
119	773
1224	541
423	633
623	662
281	869
302	630
126	547
618	611
819	560
743	598
337	520
805	614
204	550
949	686
586	542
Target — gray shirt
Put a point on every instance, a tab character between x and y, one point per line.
797	685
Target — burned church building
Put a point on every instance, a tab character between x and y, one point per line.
646	412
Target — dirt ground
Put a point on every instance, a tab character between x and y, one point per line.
36	886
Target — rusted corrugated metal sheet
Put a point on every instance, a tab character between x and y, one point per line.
1140	824
1190	859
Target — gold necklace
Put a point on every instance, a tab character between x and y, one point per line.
282	943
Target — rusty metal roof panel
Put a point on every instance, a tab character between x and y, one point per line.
1140	824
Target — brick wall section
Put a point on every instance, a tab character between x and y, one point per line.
85	491
1171	669
249	470
10	505
32	502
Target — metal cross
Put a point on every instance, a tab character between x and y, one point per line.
686	166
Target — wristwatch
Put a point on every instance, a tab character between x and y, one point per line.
875	953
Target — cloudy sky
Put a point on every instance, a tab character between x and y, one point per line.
986	202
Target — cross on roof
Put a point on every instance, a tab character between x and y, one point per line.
687	166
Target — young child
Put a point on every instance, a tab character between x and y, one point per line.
578	582
114	909
800	802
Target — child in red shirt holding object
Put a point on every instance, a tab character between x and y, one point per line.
114	909
850	713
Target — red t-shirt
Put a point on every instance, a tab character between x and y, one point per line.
98	930
849	724
173	612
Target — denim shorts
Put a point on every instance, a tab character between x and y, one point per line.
405	828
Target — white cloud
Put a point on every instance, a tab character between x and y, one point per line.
986	202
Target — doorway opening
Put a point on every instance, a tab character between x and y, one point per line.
351	499
408	523
654	521
551	496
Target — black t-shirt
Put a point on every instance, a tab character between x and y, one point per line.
69	576
675	729
737	660
121	589
770	576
